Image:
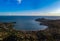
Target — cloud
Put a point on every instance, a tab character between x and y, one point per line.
31	13
55	11
19	1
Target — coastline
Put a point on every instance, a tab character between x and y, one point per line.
52	33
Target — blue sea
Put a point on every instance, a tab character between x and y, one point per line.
27	23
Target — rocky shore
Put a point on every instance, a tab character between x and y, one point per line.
52	33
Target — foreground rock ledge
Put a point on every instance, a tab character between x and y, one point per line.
52	33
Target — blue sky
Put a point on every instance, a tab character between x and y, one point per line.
27	6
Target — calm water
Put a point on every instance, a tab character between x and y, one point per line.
26	22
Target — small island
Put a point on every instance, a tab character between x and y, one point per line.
52	33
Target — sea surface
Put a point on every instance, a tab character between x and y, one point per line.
26	22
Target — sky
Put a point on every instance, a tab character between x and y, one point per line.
30	7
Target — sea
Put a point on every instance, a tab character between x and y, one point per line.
27	23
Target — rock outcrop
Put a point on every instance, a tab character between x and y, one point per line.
53	30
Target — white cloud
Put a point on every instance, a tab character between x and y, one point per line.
19	1
56	11
31	13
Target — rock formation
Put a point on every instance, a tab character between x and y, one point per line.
53	30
